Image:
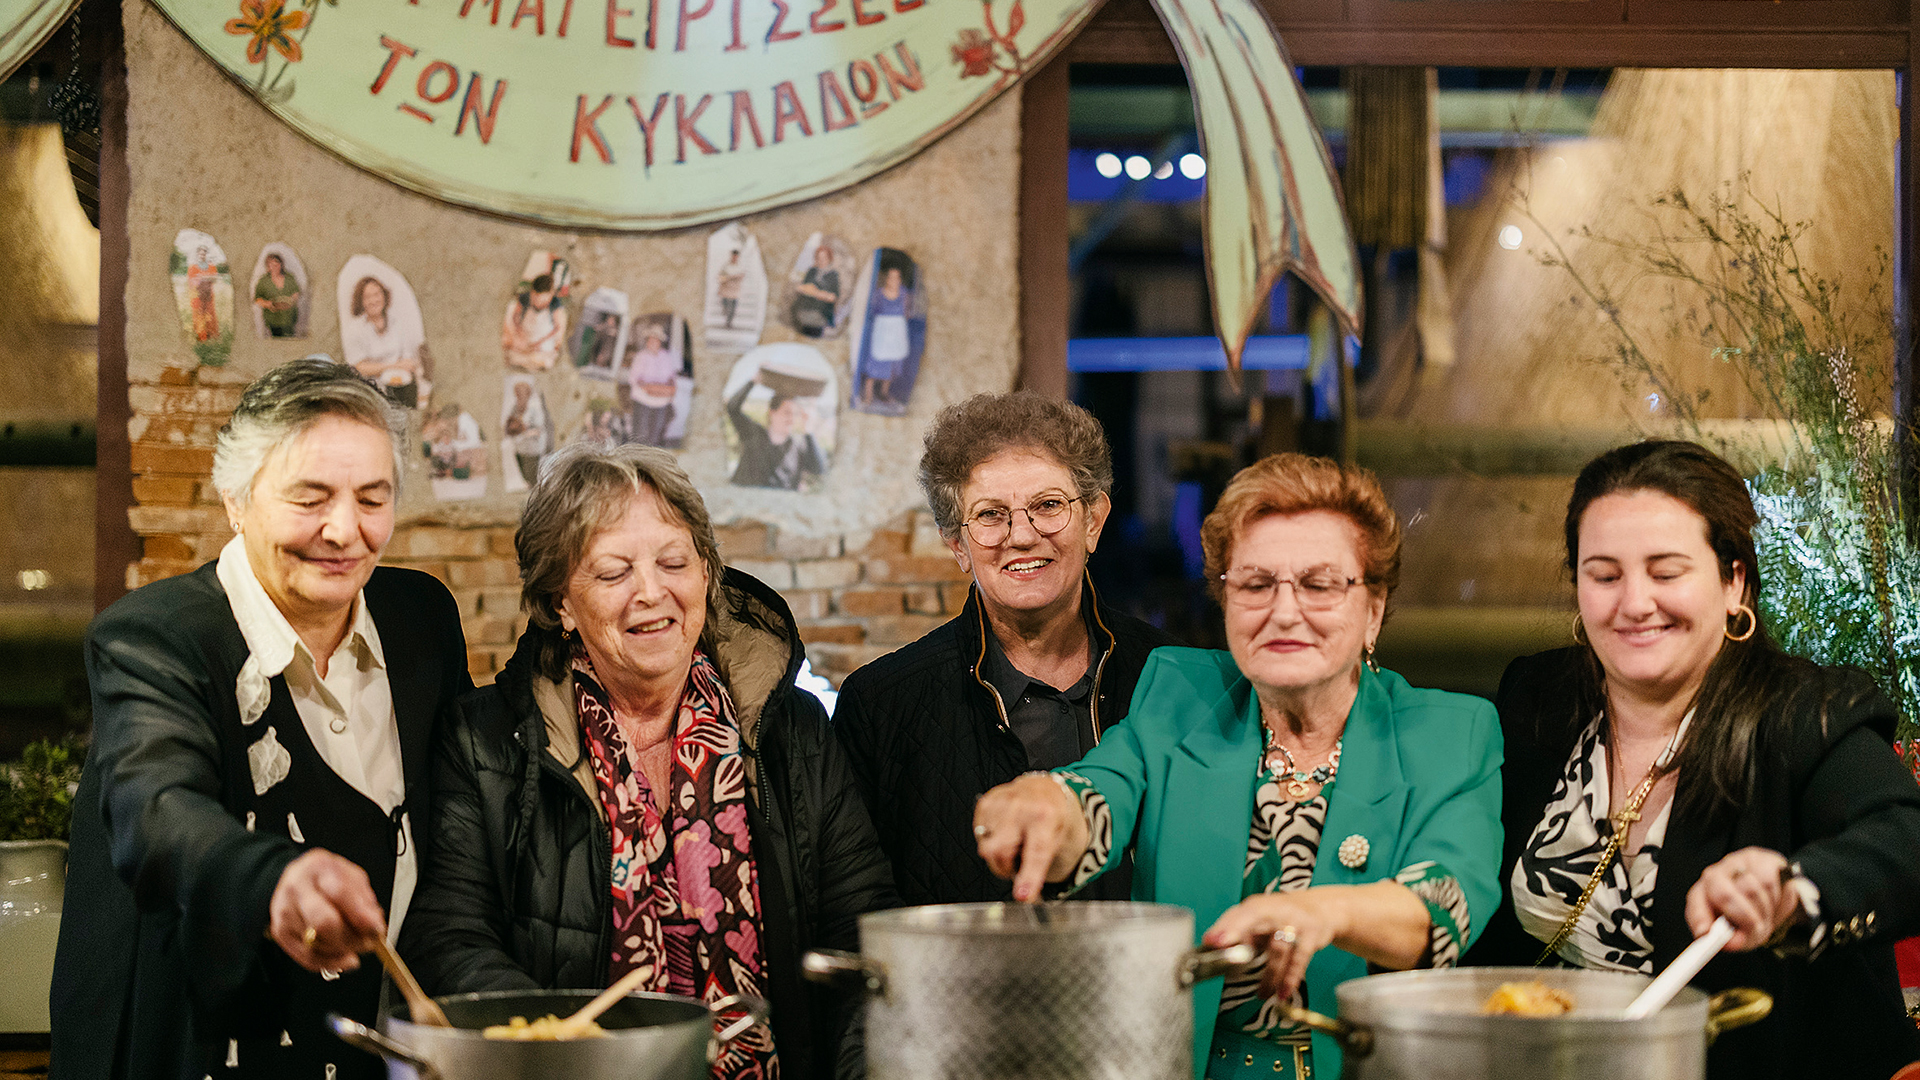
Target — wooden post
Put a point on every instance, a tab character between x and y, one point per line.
1046	286
115	547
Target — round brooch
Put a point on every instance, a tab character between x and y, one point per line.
1353	852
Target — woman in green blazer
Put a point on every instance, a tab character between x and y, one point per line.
1289	792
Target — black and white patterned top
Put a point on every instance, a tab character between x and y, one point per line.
1559	860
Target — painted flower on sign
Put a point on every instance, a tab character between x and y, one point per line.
974	53
269	23
984	52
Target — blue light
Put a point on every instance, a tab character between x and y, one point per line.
1270	352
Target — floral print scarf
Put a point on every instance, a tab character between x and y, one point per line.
686	898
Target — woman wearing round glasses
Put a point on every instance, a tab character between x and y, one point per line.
1288	791
1033	670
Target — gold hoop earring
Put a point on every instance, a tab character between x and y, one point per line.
1753	623
1579	630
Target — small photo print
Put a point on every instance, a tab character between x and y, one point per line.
456	454
203	292
526	435
889	333
281	299
820	287
603	328
658	375
535	325
381	332
780	418
736	290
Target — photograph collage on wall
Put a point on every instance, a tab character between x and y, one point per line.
535	324
602	330
281	299
889	333
657	378
456	453
735	309
526	433
381	331
203	293
820	287
781	422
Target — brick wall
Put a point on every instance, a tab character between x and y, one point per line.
856	596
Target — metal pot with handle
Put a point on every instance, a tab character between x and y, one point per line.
1426	1025
1092	989
648	1037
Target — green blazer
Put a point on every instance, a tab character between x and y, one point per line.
1419	779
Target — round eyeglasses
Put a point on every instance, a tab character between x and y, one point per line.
994	525
1319	589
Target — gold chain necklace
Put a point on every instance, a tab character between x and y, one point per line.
1623	820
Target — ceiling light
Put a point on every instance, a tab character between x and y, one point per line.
1138	167
1193	166
1107	165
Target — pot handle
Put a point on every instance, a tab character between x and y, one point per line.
1199	965
757	1013
845	969
362	1037
1734	1008
1353	1038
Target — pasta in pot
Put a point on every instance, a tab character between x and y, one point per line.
548	1028
1533	998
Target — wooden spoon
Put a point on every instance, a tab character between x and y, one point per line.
572	1026
422	1008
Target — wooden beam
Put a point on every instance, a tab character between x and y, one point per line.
1491	33
1906	369
1046	284
115	547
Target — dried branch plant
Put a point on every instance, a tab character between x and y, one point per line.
1842	574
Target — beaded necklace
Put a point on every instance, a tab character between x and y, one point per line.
1296	778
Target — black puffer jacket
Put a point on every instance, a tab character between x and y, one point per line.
928	735
516	893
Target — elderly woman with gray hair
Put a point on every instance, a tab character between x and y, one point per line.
643	785
244	826
1033	670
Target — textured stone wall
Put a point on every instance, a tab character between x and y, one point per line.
859	560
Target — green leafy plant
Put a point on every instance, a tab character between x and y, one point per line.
1841	570
36	792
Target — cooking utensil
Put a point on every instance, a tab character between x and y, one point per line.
574	1025
1426	1025
648	1037
422	1008
1006	991
1682	970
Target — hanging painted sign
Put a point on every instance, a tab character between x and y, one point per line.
627	114
25	25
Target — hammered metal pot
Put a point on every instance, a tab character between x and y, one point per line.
1090	990
649	1037
1426	1025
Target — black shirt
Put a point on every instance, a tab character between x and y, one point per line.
1054	725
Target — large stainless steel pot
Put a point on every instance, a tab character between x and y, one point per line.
1006	991
1426	1025
649	1037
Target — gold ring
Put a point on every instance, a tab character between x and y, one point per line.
1288	934
307	939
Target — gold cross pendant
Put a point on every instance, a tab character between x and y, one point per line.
1625	818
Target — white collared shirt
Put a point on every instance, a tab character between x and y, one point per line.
348	713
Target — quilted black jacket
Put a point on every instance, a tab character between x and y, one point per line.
927	736
515	893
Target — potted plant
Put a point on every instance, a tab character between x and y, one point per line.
36	809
